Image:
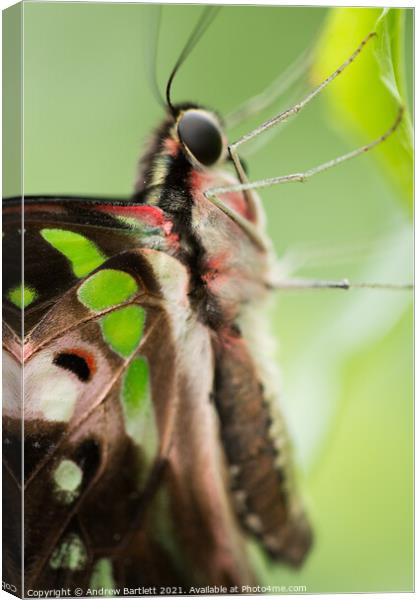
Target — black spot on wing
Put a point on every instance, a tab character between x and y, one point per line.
74	363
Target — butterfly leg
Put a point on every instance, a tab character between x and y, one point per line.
246	187
304	175
293	110
342	284
247	226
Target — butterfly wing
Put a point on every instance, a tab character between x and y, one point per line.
95	474
112	316
65	238
89	430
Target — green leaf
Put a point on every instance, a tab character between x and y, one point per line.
366	98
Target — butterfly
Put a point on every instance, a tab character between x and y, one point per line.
153	444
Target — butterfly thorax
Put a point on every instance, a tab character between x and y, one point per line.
226	268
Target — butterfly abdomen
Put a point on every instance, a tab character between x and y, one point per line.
261	482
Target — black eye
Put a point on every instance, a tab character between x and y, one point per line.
200	134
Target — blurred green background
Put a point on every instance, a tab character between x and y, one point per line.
346	357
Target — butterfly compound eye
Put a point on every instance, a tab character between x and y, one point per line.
201	136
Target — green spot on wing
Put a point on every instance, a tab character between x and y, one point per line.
83	254
123	328
70	554
102	577
134	396
107	288
67	478
22	296
135	385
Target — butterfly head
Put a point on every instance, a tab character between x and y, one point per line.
200	135
198	131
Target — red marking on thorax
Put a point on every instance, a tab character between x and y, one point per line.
171	146
216	261
201	181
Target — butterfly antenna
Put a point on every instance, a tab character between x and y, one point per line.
207	16
150	51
